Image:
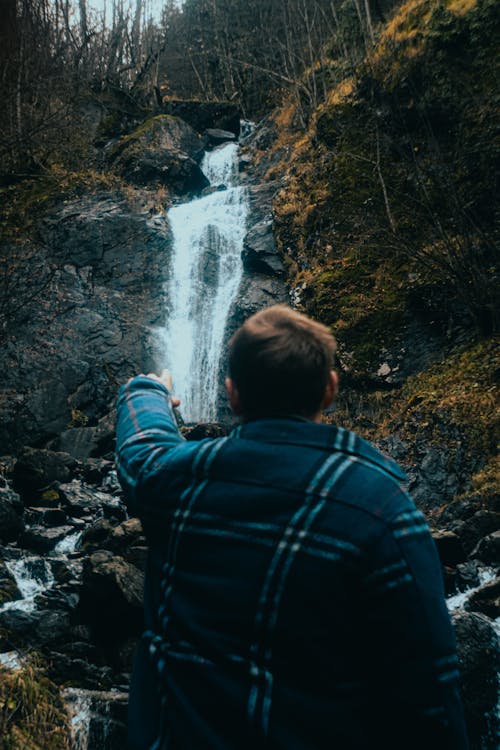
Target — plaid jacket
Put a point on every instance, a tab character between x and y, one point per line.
293	593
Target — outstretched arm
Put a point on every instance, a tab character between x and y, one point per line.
146	429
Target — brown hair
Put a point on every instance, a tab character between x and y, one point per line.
280	360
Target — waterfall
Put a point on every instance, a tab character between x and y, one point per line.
205	274
33	575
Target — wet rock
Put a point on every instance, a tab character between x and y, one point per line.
95	470
479	655
11	515
468	575
46	517
204	115
97	535
33	629
65	668
112	586
470	531
215	136
449	547
102	535
79	499
126	534
164	132
98	719
42	539
8	587
488	549
486	599
260	253
37	468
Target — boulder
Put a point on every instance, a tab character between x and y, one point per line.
163	150
95	470
42	539
449	547
34	629
37	468
112	594
80	499
163	132
215	136
479	657
119	539
470	531
486	599
8	587
46	516
488	549
157	167
260	253
11	515
204	115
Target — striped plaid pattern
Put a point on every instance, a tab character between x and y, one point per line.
286	591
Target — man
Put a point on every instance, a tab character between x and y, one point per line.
293	592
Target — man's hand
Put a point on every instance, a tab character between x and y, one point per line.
165	378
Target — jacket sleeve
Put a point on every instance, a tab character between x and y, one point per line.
146	431
412	651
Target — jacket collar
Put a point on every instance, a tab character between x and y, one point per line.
298	431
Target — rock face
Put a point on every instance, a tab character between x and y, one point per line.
91	329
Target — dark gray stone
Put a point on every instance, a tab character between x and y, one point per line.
11	515
36	469
449	547
216	136
42	539
488	549
260	253
486	599
113	586
479	656
203	115
34	629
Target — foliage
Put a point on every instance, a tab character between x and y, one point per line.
391	200
31	713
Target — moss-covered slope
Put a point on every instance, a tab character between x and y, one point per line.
388	222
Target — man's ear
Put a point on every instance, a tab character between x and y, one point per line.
234	397
331	390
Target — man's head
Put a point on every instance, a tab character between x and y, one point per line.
280	363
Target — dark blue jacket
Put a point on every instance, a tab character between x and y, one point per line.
293	598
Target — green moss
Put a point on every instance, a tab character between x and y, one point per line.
32	716
453	404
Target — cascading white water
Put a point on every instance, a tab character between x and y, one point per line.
33	575
205	274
